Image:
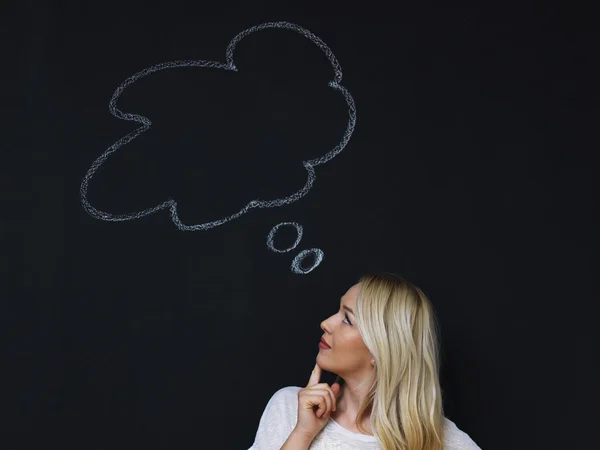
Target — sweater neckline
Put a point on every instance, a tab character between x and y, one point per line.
352	434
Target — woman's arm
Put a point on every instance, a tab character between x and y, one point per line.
297	440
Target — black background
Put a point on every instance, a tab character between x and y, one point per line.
472	172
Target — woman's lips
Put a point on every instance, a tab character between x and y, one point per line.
323	345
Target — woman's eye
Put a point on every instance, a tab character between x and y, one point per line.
346	316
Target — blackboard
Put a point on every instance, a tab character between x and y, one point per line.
187	190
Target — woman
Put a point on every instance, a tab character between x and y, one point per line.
383	345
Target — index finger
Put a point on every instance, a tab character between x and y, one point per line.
315	376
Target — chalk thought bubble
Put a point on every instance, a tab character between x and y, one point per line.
229	65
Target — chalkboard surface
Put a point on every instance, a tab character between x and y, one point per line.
188	190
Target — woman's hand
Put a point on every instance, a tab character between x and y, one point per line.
315	403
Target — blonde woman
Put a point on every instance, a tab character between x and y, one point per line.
383	345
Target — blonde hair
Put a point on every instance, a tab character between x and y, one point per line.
398	325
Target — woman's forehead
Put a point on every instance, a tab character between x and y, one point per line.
351	294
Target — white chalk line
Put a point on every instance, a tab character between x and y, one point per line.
274	230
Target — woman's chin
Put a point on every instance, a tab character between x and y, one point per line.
320	358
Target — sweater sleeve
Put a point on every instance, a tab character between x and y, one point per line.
277	421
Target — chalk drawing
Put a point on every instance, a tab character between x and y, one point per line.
297	262
229	64
276	228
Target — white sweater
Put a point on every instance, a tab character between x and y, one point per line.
281	414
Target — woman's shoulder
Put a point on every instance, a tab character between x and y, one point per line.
286	394
456	439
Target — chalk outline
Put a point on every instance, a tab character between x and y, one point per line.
229	65
271	236
296	266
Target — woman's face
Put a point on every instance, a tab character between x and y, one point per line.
348	356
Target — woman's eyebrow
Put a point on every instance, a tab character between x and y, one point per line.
348	309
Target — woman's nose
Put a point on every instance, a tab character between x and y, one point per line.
325	326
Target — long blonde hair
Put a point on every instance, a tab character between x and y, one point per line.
398	325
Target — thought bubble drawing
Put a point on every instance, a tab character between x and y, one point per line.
170	203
